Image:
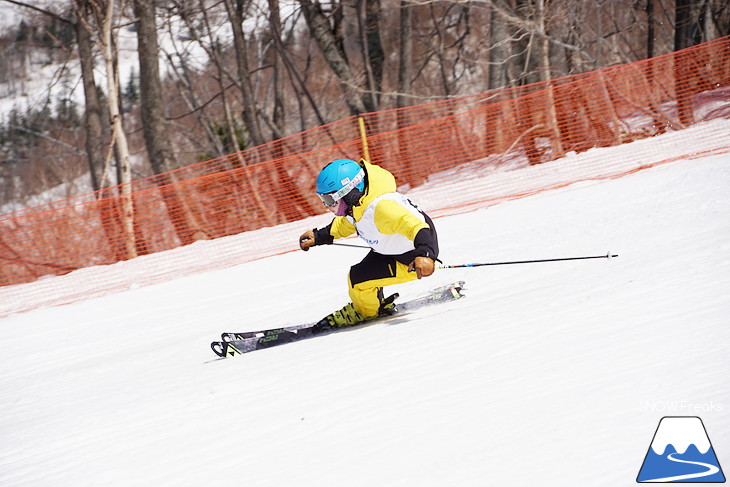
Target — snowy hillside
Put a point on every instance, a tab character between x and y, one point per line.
546	374
44	82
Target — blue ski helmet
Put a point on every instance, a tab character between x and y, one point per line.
338	178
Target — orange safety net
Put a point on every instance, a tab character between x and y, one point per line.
272	184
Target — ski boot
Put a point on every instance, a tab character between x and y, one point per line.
348	316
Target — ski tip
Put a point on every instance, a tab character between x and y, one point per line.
219	348
225	349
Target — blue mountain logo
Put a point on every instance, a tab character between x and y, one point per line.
681	452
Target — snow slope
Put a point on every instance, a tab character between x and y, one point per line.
546	374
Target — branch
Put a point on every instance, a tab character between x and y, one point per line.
515	19
41	10
73	149
203	105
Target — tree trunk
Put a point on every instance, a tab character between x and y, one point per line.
250	109
405	63
650	29
553	128
498	51
683	39
368	16
278	111
682	24
151	98
95	137
334	54
119	138
92	118
154	124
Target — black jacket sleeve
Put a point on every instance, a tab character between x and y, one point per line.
426	244
322	235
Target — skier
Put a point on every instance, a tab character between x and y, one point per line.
402	238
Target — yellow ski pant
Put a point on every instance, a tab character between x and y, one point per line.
372	274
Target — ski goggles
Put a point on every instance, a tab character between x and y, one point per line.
328	199
331	199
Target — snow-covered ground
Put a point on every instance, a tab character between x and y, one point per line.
546	374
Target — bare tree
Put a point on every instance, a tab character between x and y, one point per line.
278	111
184	79
326	32
103	15
93	115
298	72
151	96
368	22
236	15
499	51
405	59
154	124
201	29
273	70
683	24
719	18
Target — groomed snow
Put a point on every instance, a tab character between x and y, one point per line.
546	374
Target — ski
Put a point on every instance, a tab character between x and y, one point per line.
229	337
233	344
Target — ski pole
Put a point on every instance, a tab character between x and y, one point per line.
351	245
607	256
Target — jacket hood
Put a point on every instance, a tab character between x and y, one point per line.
380	182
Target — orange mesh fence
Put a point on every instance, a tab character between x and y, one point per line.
486	136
